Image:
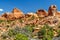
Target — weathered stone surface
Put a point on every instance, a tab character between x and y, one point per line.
31	14
52	10
42	13
17	13
4	15
8	16
58	14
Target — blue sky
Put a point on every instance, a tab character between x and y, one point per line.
27	5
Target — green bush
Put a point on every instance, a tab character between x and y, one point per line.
58	31
12	32
21	37
9	21
46	32
28	28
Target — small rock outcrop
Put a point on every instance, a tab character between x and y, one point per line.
31	14
42	13
8	16
17	13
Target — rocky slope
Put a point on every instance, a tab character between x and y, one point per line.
17	18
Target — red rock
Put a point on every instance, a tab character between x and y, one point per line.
31	14
17	13
52	10
4	15
42	13
8	16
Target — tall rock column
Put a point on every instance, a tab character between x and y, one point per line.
52	10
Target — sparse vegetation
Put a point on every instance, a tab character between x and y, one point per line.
9	21
21	21
20	37
20	29
26	33
2	21
46	33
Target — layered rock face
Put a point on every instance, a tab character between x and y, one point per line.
42	13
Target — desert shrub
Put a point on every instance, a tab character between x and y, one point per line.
4	35
20	37
28	29
58	31
32	18
2	21
7	26
20	20
15	34
9	21
46	33
12	32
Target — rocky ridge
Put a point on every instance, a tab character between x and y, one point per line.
50	17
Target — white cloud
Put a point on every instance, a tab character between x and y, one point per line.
1	10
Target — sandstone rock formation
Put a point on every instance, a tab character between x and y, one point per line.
8	16
42	13
52	10
17	13
31	14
